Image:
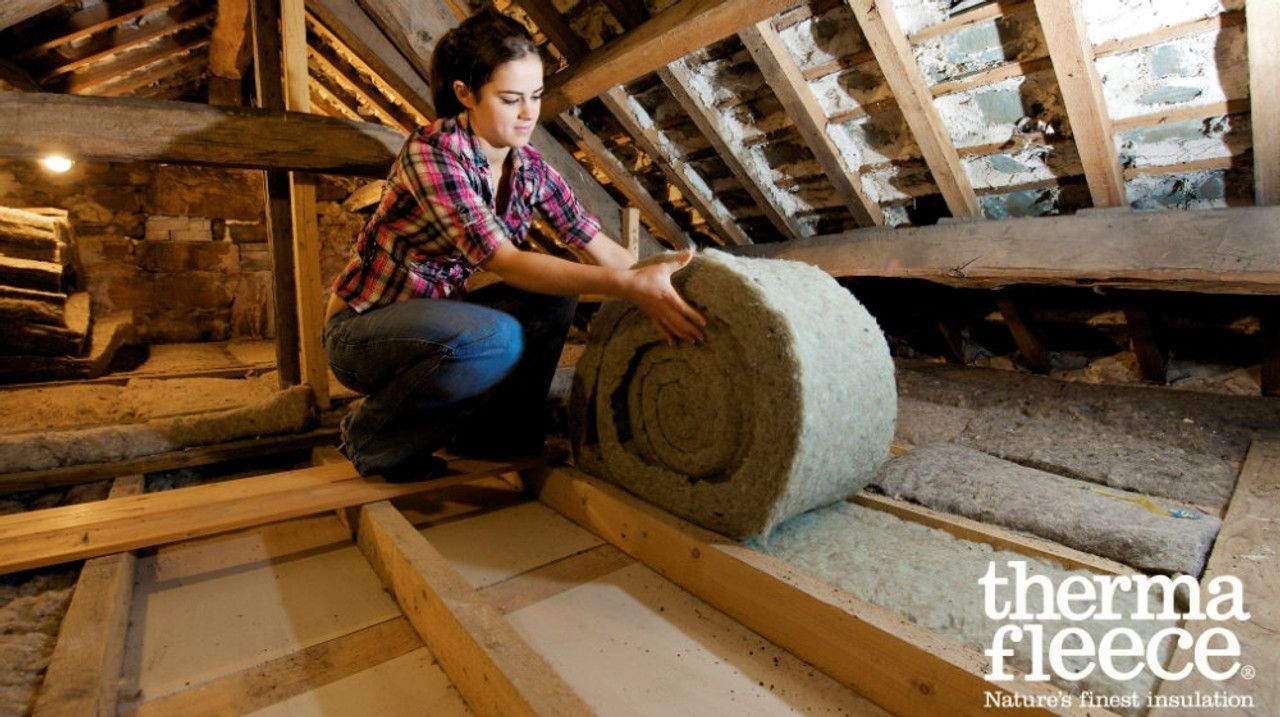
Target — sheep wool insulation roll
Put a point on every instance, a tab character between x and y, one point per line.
789	404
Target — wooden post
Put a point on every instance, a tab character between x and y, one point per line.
631	231
266	49
1073	61
1262	22
306	230
1144	342
1029	346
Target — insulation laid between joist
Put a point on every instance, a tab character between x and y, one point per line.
788	405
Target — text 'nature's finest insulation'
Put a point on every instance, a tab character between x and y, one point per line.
787	406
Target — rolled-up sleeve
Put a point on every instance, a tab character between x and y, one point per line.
562	209
438	181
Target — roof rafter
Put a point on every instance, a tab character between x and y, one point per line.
783	75
1264	89
1067	38
884	35
13	12
129	40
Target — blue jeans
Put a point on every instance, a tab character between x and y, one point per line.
473	373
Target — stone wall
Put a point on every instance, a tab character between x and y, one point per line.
184	247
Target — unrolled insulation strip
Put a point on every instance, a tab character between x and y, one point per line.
788	405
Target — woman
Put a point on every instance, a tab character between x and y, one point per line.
472	370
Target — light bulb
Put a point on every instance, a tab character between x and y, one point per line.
57	163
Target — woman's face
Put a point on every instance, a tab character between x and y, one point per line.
506	109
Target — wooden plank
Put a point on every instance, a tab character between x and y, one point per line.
670	35
624	181
1231	18
1144	342
83	676
57	535
973	16
679	174
916	102
1029	347
758	181
276	680
1212	109
996	537
1066	34
128	41
783	75
30	274
86	23
1210	163
1264	92
1247	548
13	12
485	658
343	23
552	24
1161	250
901	666
306	226
106	130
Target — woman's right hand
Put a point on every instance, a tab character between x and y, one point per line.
651	291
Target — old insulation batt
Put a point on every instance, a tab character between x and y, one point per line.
789	404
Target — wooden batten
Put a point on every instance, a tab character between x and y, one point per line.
337	70
1161	250
1073	61
880	26
668	36
784	76
493	668
130	40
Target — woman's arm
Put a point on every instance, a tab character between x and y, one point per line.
607	252
648	287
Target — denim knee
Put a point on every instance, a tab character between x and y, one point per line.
492	349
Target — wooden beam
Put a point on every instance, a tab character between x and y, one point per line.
1264	90
885	37
1231	18
631	232
628	13
783	75
552	24
275	681
493	668
106	129
624	181
670	35
17	78
755	179
1066	33
110	72
899	665
86	22
1029	347
1144	342
678	173
344	24
13	12
1183	114
128	41
229	44
1161	250
63	534
1247	549
973	16
991	76
306	227
83	677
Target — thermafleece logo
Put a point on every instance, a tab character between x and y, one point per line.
1024	603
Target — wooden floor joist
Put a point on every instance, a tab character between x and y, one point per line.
487	660
84	671
1160	250
63	534
900	666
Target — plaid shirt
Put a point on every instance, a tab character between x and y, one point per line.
436	221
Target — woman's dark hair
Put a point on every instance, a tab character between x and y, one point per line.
471	52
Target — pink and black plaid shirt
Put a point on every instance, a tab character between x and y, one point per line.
437	222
